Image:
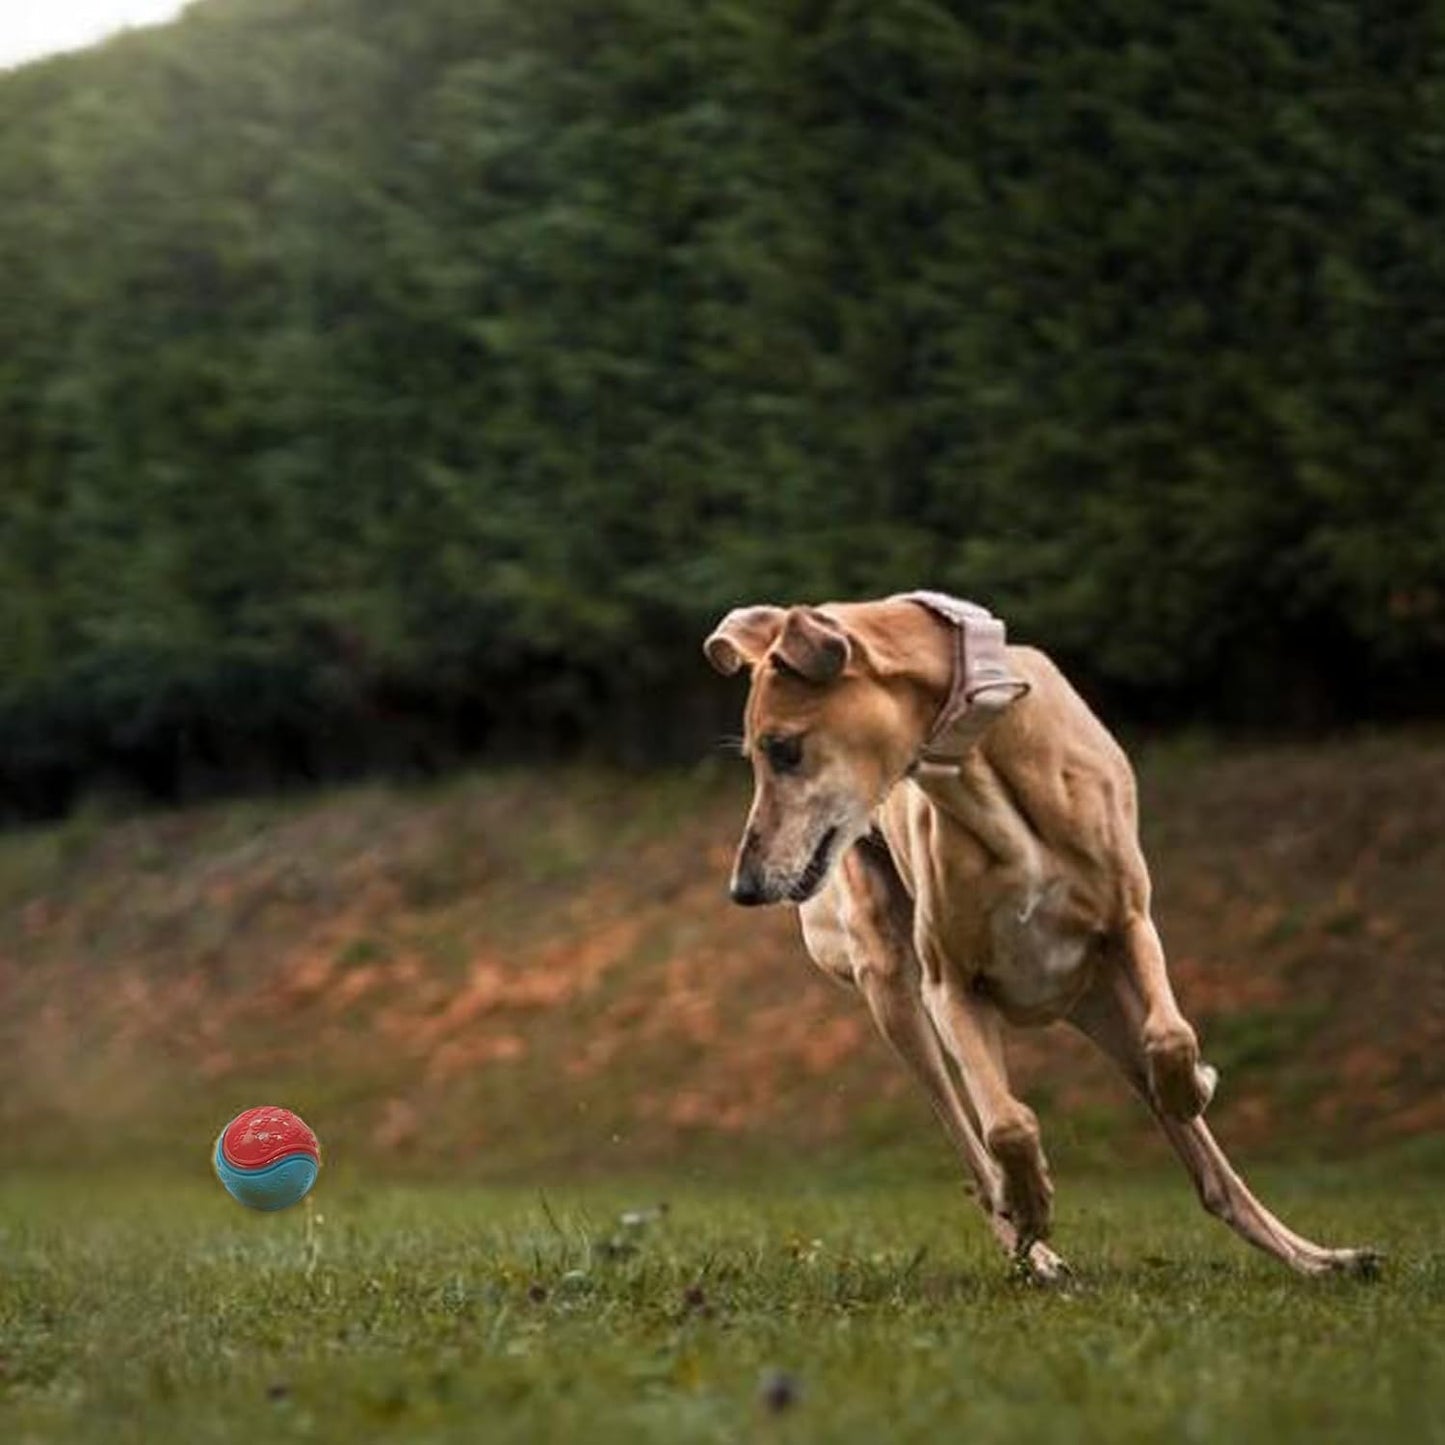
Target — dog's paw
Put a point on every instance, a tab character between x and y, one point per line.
1039	1265
1358	1263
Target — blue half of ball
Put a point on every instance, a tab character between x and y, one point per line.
276	1186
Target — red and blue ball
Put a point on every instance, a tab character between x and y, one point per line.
267	1158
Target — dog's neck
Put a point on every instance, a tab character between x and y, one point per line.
934	679
984	685
946	660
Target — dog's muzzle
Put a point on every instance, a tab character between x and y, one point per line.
812	875
747	889
751	886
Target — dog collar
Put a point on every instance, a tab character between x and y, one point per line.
983	685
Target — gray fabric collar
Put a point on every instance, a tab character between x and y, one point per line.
983	686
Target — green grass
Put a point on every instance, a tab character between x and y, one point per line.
150	1312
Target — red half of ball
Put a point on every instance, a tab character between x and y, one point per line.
259	1137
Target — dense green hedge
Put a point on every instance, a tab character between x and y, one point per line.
381	379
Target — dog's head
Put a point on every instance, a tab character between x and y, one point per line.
828	733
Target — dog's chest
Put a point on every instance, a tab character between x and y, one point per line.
1026	935
994	903
1037	960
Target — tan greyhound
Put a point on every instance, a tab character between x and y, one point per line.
960	834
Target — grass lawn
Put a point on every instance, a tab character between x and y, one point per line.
820	1306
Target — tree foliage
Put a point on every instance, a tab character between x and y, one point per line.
378	380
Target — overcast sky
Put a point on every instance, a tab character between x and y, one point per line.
31	28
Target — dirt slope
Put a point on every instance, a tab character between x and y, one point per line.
516	972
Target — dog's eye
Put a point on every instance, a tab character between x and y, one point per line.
784	755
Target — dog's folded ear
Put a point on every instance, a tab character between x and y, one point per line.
742	637
812	645
802	641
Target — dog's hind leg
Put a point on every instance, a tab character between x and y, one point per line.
1113	1015
1180	1084
860	929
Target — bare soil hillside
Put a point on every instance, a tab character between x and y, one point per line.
515	972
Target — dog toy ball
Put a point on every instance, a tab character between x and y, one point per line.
267	1158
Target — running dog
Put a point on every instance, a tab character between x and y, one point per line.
959	833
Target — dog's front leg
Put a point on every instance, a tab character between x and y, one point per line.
971	1029
968	790
859	928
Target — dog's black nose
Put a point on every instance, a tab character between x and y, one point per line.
747	890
